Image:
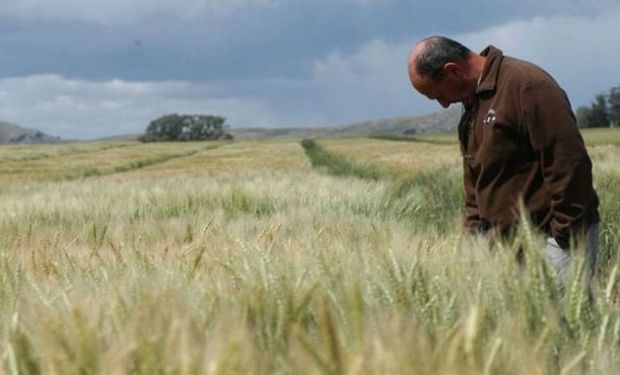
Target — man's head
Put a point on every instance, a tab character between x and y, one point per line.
445	70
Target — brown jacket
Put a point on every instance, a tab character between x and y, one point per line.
520	140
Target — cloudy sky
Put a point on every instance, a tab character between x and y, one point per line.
88	69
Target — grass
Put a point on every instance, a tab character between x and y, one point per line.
245	259
435	139
336	164
403	158
70	165
34	152
601	136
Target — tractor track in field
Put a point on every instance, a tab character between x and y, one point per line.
68	153
398	138
420	198
139	164
88	172
336	164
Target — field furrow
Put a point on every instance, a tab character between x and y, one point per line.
403	158
240	158
107	161
35	152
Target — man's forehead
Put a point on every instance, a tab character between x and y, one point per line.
412	61
416	50
424	85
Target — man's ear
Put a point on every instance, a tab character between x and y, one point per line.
453	69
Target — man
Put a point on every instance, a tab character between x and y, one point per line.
519	141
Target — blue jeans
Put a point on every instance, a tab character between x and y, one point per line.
560	259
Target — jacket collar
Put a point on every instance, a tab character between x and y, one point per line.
488	79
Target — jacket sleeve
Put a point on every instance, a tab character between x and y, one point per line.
566	167
472	214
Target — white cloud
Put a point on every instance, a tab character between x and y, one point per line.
83	109
371	83
578	51
111	12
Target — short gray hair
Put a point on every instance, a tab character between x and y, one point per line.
439	50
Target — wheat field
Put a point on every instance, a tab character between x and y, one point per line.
287	257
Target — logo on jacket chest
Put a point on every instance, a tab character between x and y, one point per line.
490	117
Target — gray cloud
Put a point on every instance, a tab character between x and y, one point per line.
114	12
230	39
280	63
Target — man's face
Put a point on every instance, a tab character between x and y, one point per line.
450	88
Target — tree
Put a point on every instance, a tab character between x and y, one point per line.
583	116
614	105
174	127
599	113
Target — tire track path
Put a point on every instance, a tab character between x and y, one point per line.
15	157
430	199
72	167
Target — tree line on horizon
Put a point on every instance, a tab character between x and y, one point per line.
174	127
604	111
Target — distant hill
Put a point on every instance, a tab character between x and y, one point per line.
438	122
121	137
13	134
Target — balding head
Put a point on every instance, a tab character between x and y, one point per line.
431	54
444	70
